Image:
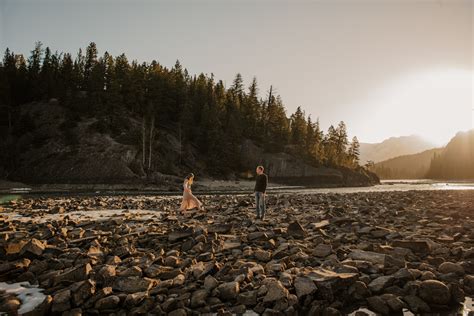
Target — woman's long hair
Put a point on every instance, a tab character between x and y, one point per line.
190	178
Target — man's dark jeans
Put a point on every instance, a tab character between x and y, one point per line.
260	204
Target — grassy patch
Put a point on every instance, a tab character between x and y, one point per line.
7	198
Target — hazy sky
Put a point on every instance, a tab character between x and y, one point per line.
385	67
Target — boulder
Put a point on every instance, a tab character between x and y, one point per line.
379	284
61	301
132	284
420	247
436	292
276	291
450	267
377	304
109	302
198	298
370	256
228	291
322	250
304	286
295	230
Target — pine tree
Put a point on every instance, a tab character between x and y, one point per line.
89	63
354	152
298	127
341	143
34	67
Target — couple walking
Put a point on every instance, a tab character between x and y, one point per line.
190	201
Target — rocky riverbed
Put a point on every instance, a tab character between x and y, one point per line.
318	254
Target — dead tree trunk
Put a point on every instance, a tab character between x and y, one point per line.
152	134
180	146
9	122
143	141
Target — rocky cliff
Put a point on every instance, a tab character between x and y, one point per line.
287	169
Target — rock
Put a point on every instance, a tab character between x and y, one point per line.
304	286
74	274
210	283
450	267
132	284
228	291
427	275
262	255
380	232
417	246
320	224
73	312
180	234
109	302
134	299
61	301
33	248
403	275
9	305
286	279
392	264
276	291
57	210
322	250
106	274
198	298
329	282
220	228
178	312
132	271
468	284
393	302
457	293
380	283
416	304
432	291
330	311
206	256
82	290
247	298
257	236
173	261
295	230
369	256
231	245
377	304
359	291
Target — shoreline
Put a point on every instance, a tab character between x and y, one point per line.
315	253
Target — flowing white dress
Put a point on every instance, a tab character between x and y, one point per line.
189	200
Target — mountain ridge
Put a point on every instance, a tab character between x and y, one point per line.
393	147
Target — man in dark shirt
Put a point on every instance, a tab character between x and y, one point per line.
260	188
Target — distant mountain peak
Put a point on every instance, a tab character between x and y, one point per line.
393	147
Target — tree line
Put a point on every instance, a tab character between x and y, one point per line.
201	109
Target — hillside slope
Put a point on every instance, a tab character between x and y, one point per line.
456	161
393	147
414	166
54	148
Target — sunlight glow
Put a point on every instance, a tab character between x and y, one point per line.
434	104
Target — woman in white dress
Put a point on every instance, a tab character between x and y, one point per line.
189	200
